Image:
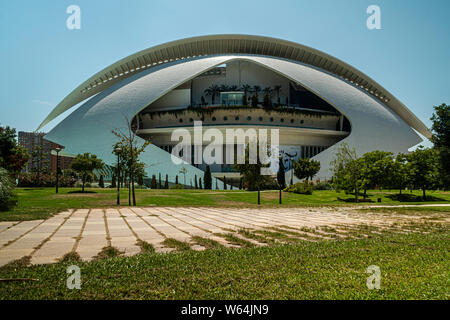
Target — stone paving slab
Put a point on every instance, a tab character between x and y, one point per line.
88	231
5	225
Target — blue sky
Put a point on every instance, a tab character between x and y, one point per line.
42	61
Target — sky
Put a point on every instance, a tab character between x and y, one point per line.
41	60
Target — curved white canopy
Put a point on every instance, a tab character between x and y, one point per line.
216	45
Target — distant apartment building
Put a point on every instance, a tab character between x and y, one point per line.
31	141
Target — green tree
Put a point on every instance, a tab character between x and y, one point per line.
267	103
254	101
246	88
130	148
224	88
306	168
153	184
84	165
101	183
281	175
251	173
140	173
256	90
40	163
441	139
347	171
401	172
424	164
377	169
13	157
113	181
6	189
207	178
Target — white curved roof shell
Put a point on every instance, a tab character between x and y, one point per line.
213	45
88	128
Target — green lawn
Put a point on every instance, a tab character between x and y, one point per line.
38	203
413	266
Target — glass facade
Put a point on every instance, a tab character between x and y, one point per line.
231	98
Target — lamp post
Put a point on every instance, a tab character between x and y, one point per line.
117	151
279	184
58	150
292	171
259	194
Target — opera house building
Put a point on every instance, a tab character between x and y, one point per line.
234	81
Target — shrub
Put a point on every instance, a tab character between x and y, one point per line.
300	188
30	180
6	190
177	186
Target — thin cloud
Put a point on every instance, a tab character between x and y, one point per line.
45	103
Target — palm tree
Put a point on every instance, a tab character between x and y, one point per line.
277	89
233	88
256	90
246	88
267	97
212	91
268	91
224	88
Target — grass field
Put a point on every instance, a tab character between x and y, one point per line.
327	262
414	265
39	203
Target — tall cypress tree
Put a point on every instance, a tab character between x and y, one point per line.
101	183
207	178
281	178
113	181
153	181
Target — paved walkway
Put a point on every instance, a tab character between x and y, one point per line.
87	231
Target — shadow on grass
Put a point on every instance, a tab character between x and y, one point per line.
407	197
353	200
79	191
11	203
